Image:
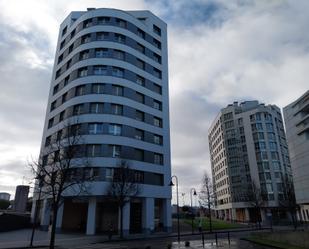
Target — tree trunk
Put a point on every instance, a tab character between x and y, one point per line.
53	229
209	211
121	222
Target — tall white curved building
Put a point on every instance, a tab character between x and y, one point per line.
111	74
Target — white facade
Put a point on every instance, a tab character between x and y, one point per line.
111	75
296	116
247	144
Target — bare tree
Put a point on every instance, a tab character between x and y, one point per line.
207	195
288	201
257	199
57	170
122	188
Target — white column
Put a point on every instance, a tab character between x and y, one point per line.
233	214
34	206
148	215
45	215
91	216
263	216
166	215
247	215
126	219
59	217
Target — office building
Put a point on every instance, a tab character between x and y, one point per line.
248	146
296	116
110	78
4	196
21	198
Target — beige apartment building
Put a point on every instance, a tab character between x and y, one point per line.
296	116
247	144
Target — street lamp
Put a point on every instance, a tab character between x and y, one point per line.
40	178
172	184
194	193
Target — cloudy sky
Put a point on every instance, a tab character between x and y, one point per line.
219	52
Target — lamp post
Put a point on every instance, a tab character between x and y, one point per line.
172	184
40	179
194	193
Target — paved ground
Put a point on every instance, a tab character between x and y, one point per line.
21	238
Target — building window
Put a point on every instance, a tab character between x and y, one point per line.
139	97
121	23
78	109
56	88
118	54
95	128
157	58
64	97
274	155
139	115
82	72
93	150
271	136
62	44
116	150
58	73
140	64
139	134
109	174
140	48
84	55
158	158
47	141
157	105
103	20
100	70
269	127
61	116
59	135
50	122
53	105
276	165
157	139
156	43
140	80
273	146
97	88
71	48
87	23
75	130
73	33
116	109
101	52
96	107
66	80
157	122
141	33
60	58
85	39
118	72
156	30
120	38
139	155
157	73
157	88
114	129
69	63
117	90
80	90
102	36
